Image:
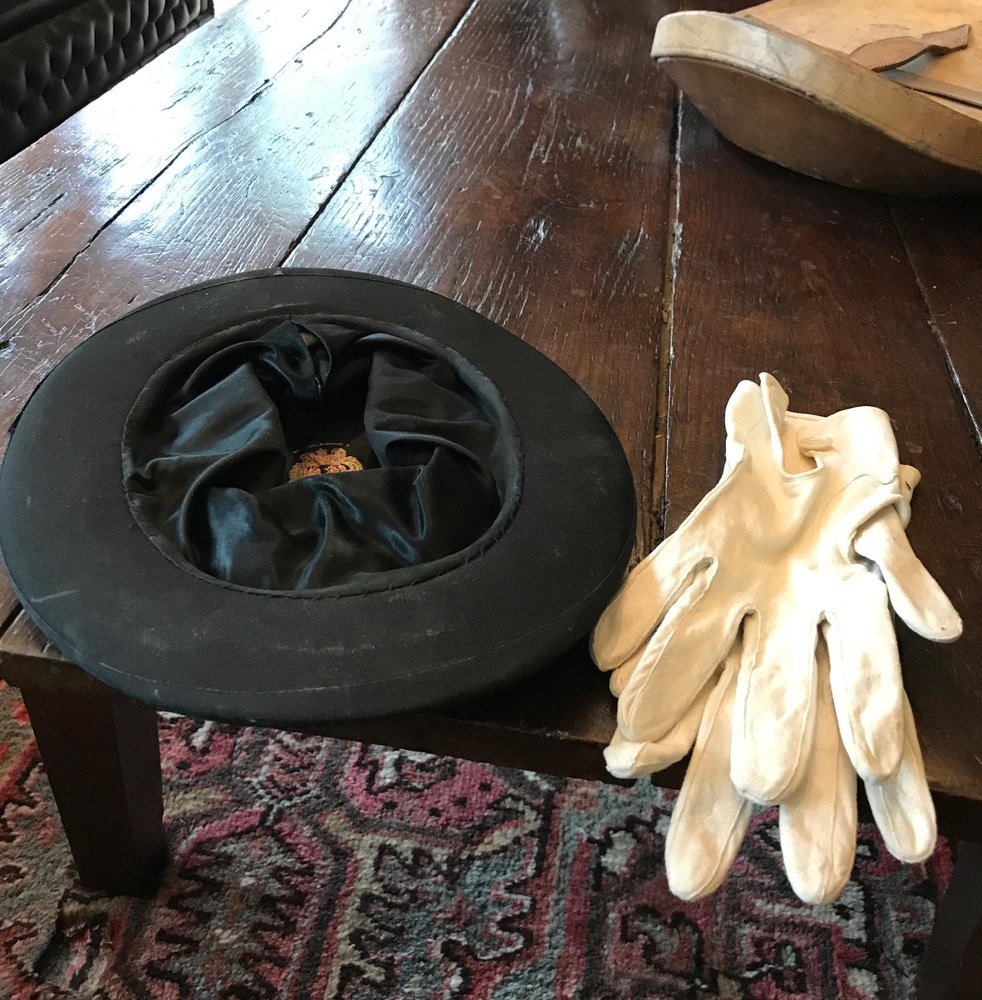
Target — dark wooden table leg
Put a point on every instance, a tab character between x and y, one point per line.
102	757
952	965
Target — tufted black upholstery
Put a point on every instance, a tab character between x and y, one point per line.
57	55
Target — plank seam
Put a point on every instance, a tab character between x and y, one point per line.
673	254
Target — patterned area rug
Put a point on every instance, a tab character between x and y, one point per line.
304	868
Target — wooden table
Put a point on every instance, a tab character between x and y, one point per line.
528	160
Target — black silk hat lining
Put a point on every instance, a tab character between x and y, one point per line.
131	581
208	446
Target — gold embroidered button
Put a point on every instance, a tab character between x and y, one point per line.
322	460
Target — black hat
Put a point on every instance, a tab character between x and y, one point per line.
298	496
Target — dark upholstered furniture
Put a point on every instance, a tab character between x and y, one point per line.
57	55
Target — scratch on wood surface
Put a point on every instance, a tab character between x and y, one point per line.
618	278
545	139
535	232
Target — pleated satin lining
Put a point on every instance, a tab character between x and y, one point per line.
209	443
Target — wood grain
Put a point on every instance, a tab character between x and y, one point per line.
54	202
527	175
811	282
240	189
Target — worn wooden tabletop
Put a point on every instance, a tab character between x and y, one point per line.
528	160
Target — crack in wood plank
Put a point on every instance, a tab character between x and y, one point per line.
454	28
673	254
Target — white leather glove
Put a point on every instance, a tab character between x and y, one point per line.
817	821
818	814
773	551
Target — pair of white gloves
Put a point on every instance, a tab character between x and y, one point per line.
761	632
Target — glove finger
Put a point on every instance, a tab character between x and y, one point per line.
628	759
818	821
915	595
645	597
710	817
619	676
774	715
867	686
902	806
691	643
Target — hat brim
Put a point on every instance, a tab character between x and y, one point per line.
106	596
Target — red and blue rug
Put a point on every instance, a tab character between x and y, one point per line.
304	868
